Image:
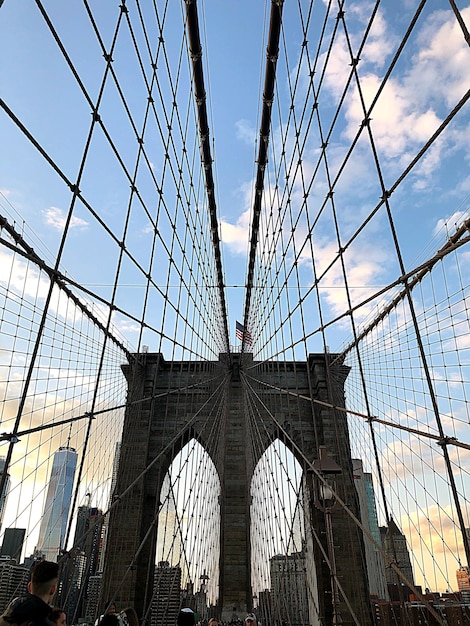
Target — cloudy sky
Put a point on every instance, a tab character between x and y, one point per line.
426	83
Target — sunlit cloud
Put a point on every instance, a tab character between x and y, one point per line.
435	527
435	539
32	456
420	457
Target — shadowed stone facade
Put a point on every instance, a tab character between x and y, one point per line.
169	405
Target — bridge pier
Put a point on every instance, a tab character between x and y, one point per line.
235	589
169	395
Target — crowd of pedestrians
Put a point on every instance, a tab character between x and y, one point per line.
36	607
187	617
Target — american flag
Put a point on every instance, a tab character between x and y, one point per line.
241	333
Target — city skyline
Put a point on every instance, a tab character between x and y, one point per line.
287	572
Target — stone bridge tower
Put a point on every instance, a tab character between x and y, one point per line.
168	407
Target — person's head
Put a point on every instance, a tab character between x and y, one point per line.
58	617
250	620
186	617
130	616
109	608
109	619
44	579
213	621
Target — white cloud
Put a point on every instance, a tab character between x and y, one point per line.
25	279
380	42
365	262
410	107
236	236
245	132
124	325
20	277
55	217
396	125
442	60
450	224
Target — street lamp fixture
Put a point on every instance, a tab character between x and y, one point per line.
325	500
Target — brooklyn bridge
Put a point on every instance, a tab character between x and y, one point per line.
235	292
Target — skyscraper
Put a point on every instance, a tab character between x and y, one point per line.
289	593
56	511
166	601
117	456
83	561
6	487
12	545
395	546
374	560
13	581
463	578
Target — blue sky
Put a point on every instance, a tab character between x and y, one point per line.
38	87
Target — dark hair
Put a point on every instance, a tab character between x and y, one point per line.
44	574
110	619
55	614
131	616
108	605
186	617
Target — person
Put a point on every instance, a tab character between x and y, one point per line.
58	616
186	617
109	609
110	619
128	617
34	608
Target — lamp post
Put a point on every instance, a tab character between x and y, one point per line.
325	500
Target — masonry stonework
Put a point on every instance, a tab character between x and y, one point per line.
168	406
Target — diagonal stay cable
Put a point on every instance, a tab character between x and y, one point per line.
60	281
440	440
342	503
414	276
93	414
209	402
